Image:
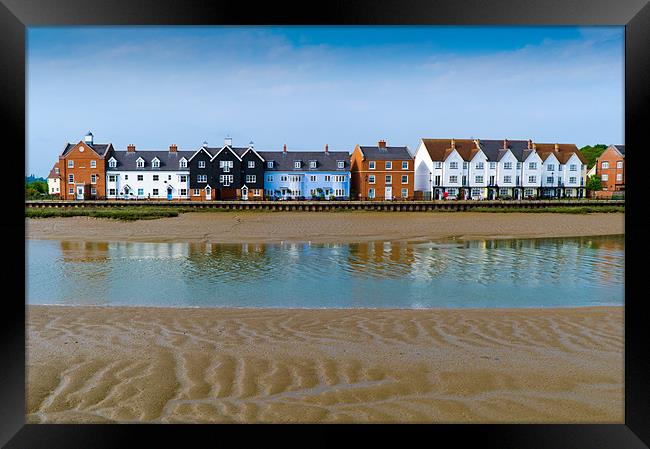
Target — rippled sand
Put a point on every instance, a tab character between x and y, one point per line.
339	227
91	364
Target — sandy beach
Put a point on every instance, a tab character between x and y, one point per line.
341	227
91	364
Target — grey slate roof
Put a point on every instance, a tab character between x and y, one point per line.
168	161
100	148
324	161
621	149
238	150
386	153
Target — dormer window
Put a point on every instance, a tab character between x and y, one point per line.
269	164
112	163
296	164
155	163
183	163
341	164
140	163
312	164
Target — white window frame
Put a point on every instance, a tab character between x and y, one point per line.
532	179
453	179
251	164
93	163
71	178
140	178
507	165
532	166
312	164
93	178
341	164
269	164
371	193
453	165
371	179
112	178
251	179
507	179
372	165
70	163
140	163
388	165
478	179
297	164
604	177
389	179
201	164
407	179
619	164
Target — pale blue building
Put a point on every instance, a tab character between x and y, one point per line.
306	174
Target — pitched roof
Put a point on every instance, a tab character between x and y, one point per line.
324	161
169	161
440	149
386	153
621	149
563	153
494	150
53	174
99	148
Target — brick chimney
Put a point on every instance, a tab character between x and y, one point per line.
530	144
173	148
326	148
130	148
505	144
284	150
453	144
381	144
557	147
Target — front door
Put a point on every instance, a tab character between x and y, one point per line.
389	193
169	193
244	193
208	193
80	192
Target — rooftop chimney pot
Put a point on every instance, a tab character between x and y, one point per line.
130	148
326	148
173	148
285	148
228	141
382	144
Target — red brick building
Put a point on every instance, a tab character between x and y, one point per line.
610	166
82	167
381	173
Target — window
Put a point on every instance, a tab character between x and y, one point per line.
478	179
296	164
453	179
405	179
251	164
464	165
605	165
140	163
339	192
93	191
532	166
371	179
479	165
183	192
196	192
140	177
341	164
112	163
93	164
183	163
532	179
451	192
269	179
507	179
573	167
619	176
573	180
111	192
269	164
155	192
476	192
183	178
201	178
405	165
328	178
70	178
283	178
550	167
156	163
453	165
405	193
389	179
494	165
71	191
312	178
140	192
201	164
339	178
518	165
169	177
226	165
226	180
389	165
70	163
111	178
528	192
503	192
371	165
93	179
560	167
251	178
549	180
371	193
155	177
126	177
506	165
312	164
438	164
619	164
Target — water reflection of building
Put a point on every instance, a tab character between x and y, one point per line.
236	261
83	251
385	259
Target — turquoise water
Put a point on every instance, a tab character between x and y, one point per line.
559	272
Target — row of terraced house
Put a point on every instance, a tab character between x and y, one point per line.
439	169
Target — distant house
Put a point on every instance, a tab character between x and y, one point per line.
610	166
308	174
54	181
82	168
150	174
382	172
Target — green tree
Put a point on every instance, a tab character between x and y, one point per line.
592	153
594	183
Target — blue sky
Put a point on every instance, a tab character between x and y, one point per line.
311	86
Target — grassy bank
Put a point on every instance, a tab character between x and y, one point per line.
152	212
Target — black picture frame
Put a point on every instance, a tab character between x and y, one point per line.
16	15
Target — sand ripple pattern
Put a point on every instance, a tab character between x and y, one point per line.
90	364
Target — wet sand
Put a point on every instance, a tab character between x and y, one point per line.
93	364
326	227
